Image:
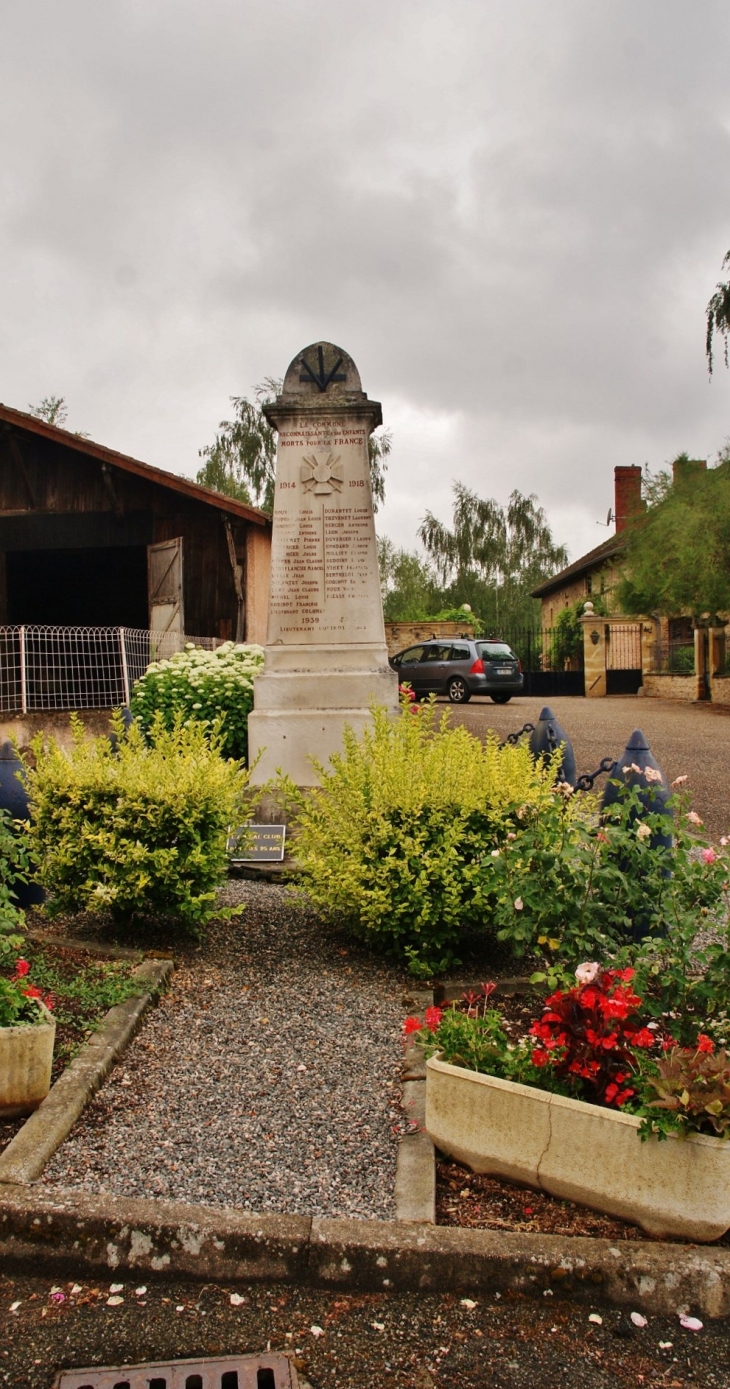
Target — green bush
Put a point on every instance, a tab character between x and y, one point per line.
140	832
681	660
575	888
14	868
213	687
397	840
419	833
566	641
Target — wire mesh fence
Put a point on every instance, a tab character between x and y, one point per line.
47	668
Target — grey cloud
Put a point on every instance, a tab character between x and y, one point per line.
511	211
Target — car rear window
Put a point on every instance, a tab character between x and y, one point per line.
495	650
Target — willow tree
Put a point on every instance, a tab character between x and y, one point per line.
493	555
718	318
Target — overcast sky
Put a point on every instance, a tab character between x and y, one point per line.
511	213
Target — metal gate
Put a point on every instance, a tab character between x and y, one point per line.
623	657
551	660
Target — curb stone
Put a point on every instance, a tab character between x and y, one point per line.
27	1154
95	1236
415	1171
89	947
415	1168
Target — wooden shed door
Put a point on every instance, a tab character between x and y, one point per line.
164	585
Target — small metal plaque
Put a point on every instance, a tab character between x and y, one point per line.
269	1371
257	844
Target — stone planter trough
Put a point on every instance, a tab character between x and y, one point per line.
26	1057
580	1152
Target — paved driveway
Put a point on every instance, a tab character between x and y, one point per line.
685	738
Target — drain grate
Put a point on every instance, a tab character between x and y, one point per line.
224	1372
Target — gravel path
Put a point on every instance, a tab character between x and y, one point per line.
267	1078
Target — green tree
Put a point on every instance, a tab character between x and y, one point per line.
677	557
241	461
718	318
493	555
53	409
409	584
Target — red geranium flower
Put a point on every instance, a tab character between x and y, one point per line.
412	1025
705	1043
432	1018
588	1033
21	969
540	1057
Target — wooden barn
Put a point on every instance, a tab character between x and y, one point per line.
92	538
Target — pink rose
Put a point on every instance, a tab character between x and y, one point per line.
708	856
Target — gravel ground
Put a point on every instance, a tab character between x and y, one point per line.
339	1341
692	739
267	1079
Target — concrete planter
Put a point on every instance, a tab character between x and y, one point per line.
580	1152
26	1057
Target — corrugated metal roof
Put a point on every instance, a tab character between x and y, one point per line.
19	420
610	547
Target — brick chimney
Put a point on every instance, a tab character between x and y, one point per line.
627	494
684	468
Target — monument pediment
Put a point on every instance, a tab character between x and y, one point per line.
319	373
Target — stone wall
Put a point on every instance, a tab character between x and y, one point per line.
661	685
720	685
22	728
399	635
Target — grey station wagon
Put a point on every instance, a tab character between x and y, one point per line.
460	668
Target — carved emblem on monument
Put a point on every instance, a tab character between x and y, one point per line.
321	377
322	477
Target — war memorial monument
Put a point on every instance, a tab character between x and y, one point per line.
326	656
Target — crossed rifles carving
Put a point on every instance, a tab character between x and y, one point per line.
322	477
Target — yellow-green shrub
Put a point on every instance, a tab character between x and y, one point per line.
396	839
139	831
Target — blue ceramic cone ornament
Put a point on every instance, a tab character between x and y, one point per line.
546	736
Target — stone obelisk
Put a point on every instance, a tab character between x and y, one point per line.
326	658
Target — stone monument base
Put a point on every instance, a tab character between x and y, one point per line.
287	741
301	713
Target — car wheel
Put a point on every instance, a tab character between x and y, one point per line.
458	691
501	699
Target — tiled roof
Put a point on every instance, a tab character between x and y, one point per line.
30	424
593	560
